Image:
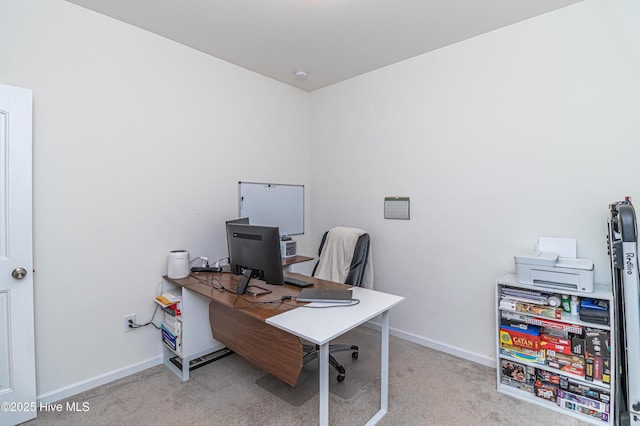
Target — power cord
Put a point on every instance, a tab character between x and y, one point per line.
205	267
210	282
286	298
133	325
353	302
262	302
205	261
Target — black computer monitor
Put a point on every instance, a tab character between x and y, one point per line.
242	220
254	252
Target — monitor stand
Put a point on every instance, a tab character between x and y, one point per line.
244	281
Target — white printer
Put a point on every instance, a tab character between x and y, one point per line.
549	270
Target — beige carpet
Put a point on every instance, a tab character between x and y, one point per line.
427	387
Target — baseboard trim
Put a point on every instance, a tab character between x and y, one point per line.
94	382
439	346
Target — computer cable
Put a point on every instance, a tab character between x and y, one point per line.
205	267
211	282
255	302
217	262
205	261
354	302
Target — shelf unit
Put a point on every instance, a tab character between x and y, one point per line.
601	292
196	331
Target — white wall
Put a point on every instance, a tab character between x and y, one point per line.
139	145
527	131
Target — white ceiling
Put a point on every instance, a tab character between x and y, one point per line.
333	39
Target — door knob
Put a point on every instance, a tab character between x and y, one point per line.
19	273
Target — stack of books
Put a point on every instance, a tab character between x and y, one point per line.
172	332
172	325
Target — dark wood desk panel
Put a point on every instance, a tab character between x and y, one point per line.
270	348
238	322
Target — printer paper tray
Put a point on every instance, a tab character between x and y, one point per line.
556	278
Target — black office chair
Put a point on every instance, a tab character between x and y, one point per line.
354	277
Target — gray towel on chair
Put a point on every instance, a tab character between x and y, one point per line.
337	254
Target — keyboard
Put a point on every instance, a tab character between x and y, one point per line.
296	282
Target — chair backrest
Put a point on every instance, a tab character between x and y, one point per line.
358	261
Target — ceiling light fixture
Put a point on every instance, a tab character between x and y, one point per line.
301	74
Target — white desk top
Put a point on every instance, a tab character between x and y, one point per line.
321	325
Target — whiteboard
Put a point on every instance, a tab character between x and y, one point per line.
270	204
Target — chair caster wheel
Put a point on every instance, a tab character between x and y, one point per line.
354	355
340	377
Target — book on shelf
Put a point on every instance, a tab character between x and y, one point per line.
530	308
173	338
173	310
173	323
582	389
174	333
546	323
172	345
169	310
173	295
530	296
582	409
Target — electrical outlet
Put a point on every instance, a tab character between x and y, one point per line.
125	322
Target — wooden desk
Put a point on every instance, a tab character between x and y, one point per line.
267	334
239	322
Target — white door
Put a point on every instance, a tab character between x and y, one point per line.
17	353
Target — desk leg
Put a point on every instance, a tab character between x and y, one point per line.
384	363
384	371
324	384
